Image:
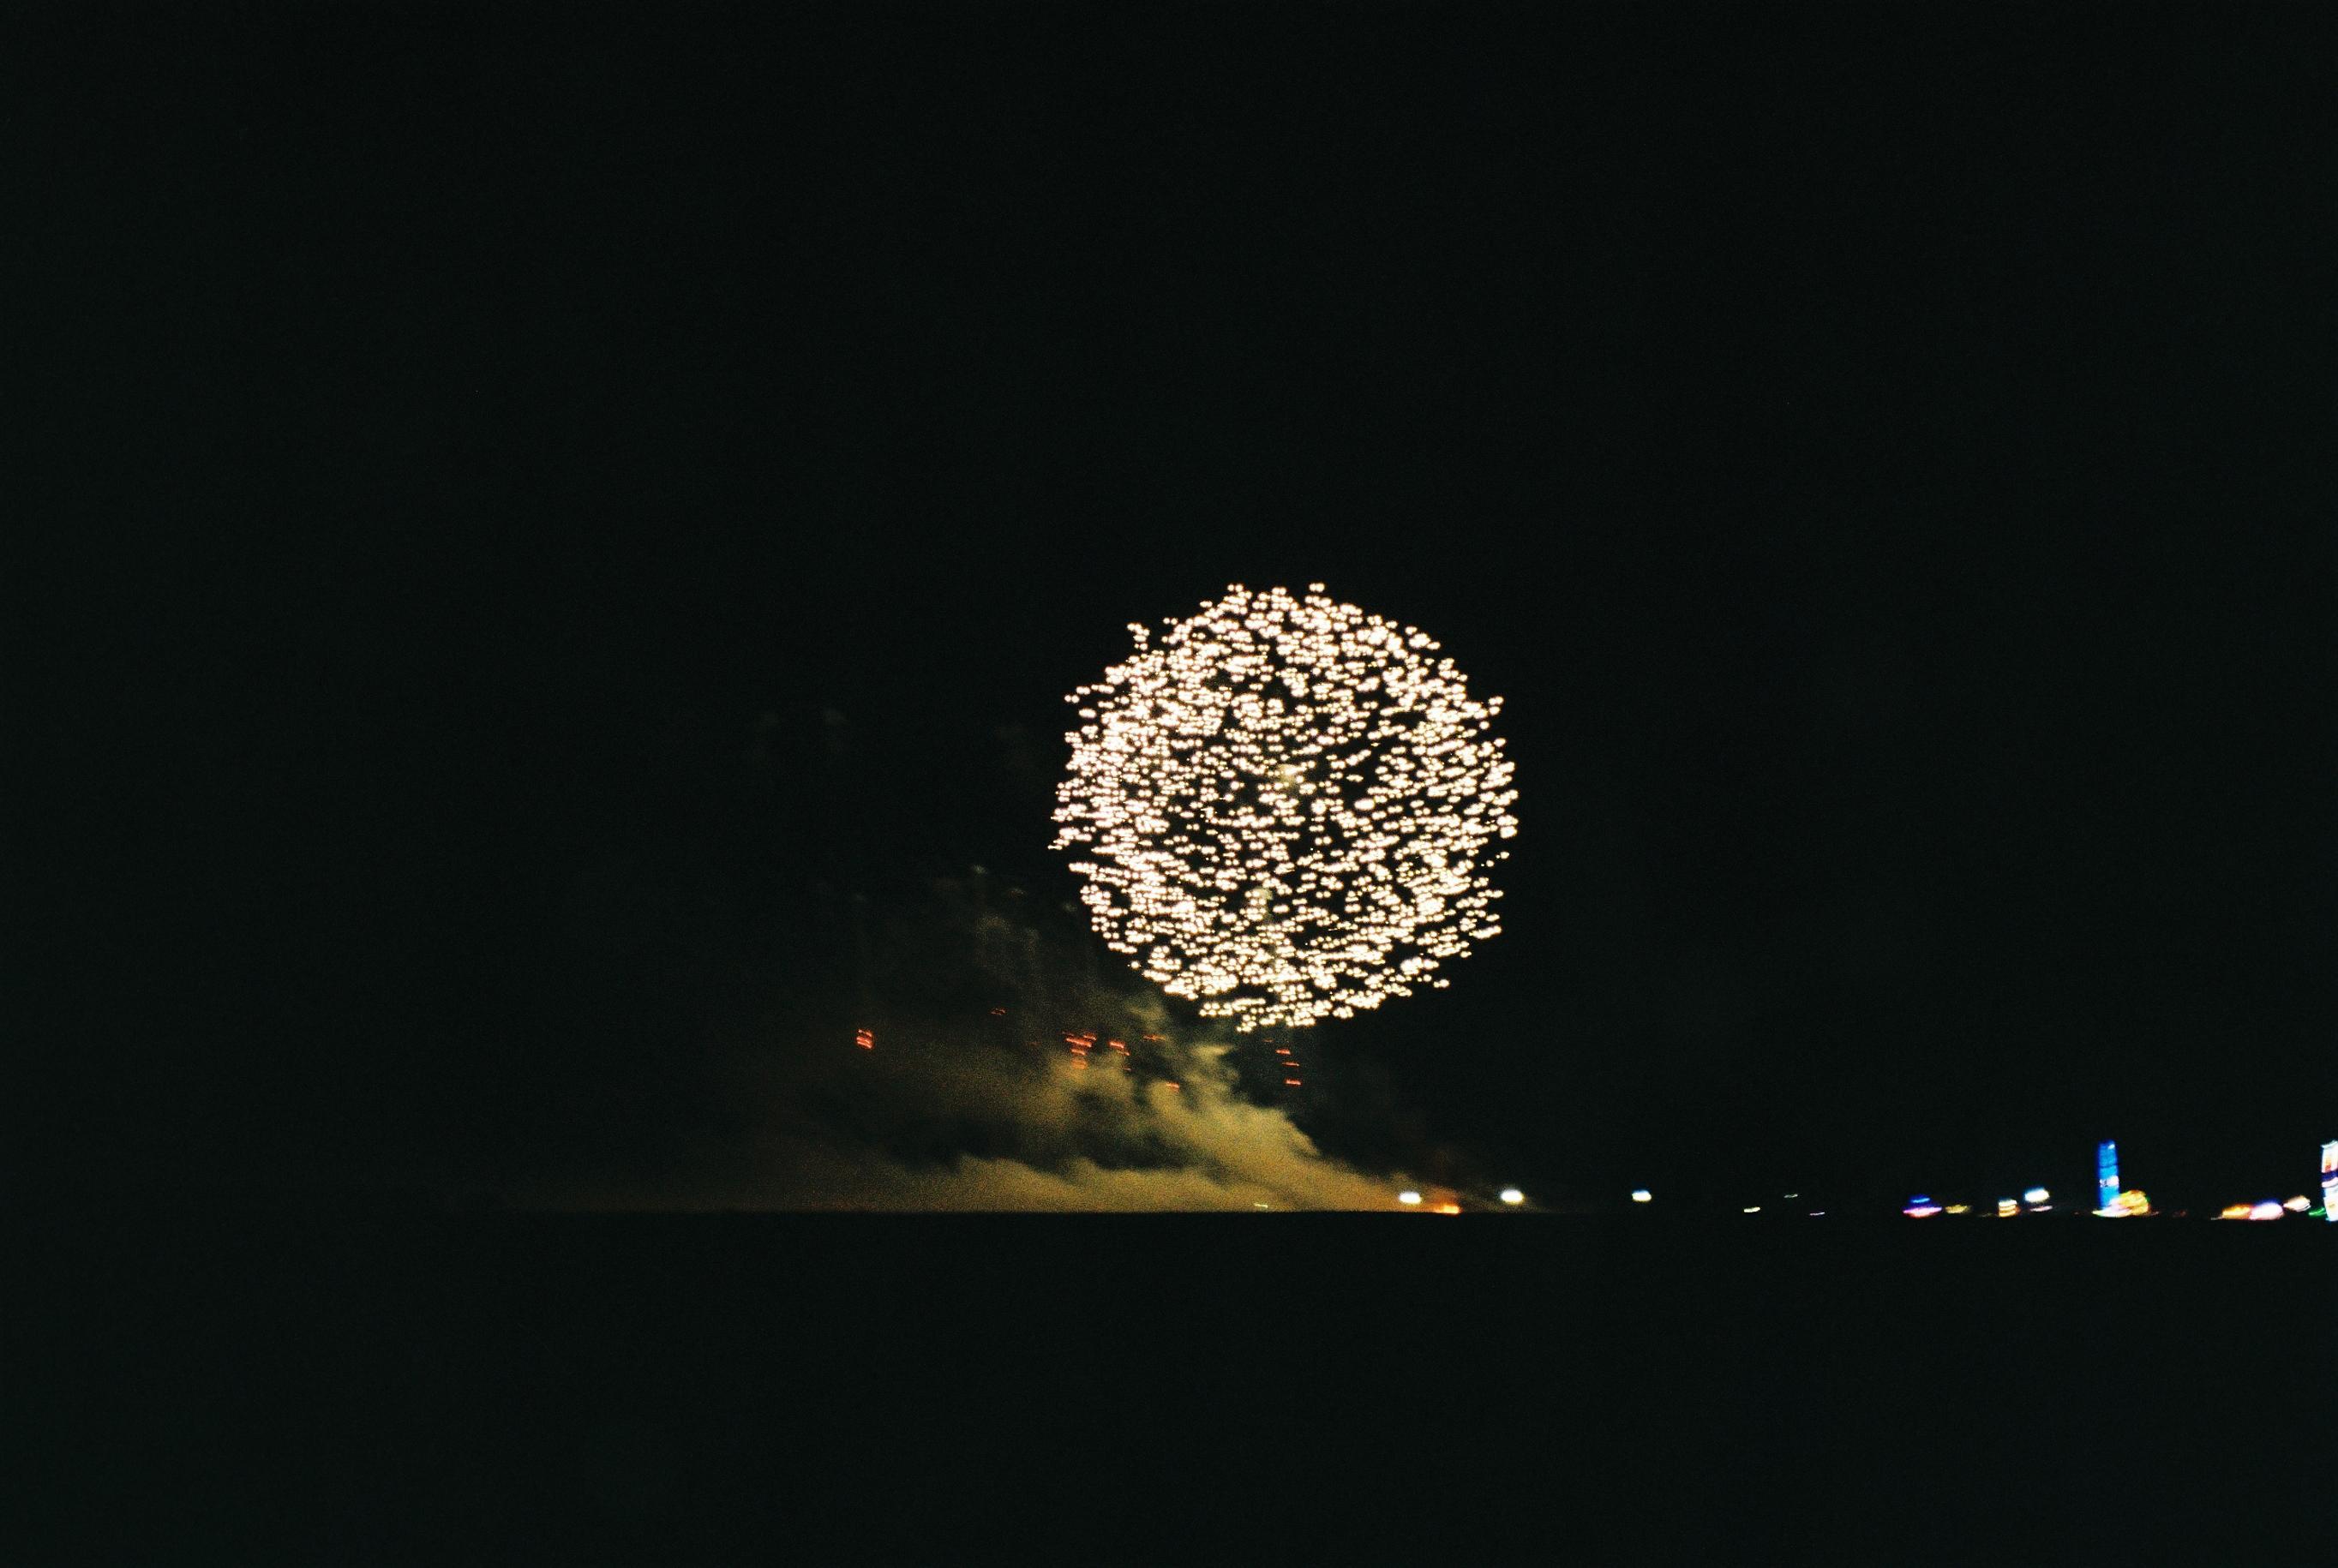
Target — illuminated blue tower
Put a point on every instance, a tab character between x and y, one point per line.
2107	1186
2330	1180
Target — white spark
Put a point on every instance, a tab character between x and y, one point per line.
1289	805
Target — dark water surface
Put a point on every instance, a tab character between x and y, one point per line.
262	1386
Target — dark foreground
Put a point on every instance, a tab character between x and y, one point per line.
248	1388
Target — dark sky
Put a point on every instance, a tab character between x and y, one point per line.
560	497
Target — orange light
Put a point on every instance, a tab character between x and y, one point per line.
1173	1085
999	1012
864	1038
1448	1208
1292	1081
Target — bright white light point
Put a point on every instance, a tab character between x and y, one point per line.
1512	1195
1408	1198
1641	1195
2265	1211
1755	1209
1288	809
2036	1195
2298	1205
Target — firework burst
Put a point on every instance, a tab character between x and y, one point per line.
1288	807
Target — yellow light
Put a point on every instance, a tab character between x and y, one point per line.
1288	807
1641	1195
1448	1208
1960	1209
2007	1208
2234	1212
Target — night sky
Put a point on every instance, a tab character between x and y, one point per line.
561	500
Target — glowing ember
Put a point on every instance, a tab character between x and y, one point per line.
1289	807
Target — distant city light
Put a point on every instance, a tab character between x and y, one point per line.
1640	1194
2298	1205
2133	1201
2007	1207
1960	1209
2036	1195
2265	1211
1408	1198
2330	1179
864	1038
2234	1212
2106	1180
1755	1209
1448	1208
1921	1207
1513	1196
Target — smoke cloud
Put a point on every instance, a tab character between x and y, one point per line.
1002	1072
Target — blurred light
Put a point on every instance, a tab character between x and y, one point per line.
1818	1213
2298	1205
1960	1209
2036	1195
1921	1208
1512	1195
1448	1208
1755	1209
2007	1207
864	1038
1641	1195
1408	1198
2107	1182
2265	1211
2330	1179
1257	1205
2234	1212
2133	1201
